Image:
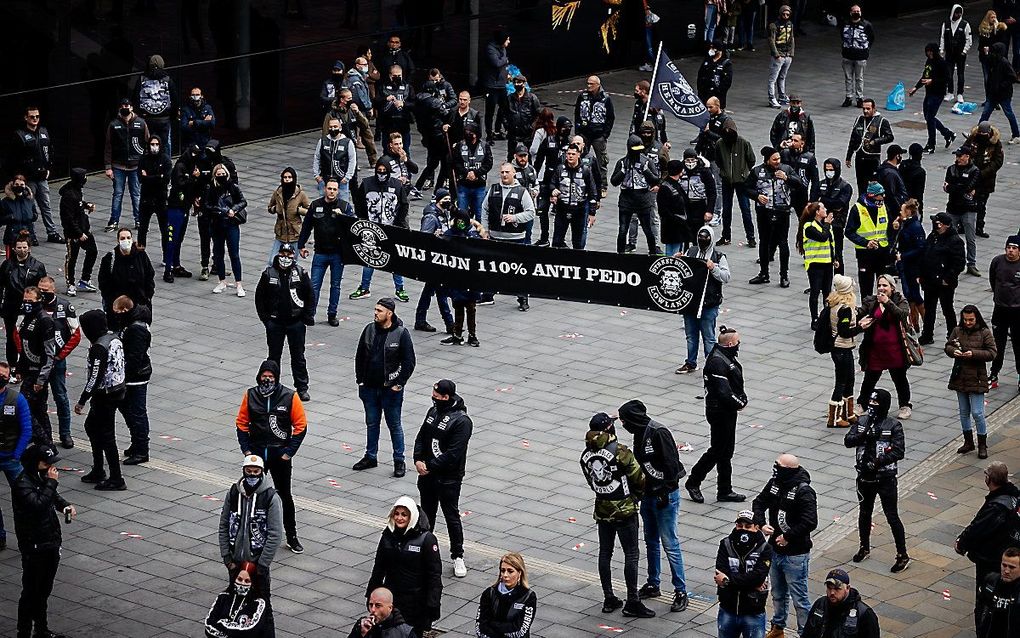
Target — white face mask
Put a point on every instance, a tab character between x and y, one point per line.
691	164
285	262
242	590
363	69
830	174
711	53
125	244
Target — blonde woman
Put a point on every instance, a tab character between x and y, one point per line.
841	305
990	31
507	608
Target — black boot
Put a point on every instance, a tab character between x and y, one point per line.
968	443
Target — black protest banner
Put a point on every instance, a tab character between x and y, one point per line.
667	284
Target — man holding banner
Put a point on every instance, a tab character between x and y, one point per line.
506	210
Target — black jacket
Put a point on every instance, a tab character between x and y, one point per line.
15	276
914	177
36	502
746	563
868	136
934	70
442	441
322	220
594	115
788	503
672	204
219	200
1001	76
724	383
433	105
154	174
408	564
984	540
285	296
879	447
137	337
960	184
998	608
944	259
392	627
506	615
786	124
889	177
520	115
836	193
656	453
37	346
385	357
826	620
31	153
74	211
715	76
184	185
131	274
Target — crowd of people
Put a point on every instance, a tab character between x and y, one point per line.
556	170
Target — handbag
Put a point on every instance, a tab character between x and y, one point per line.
913	348
240	216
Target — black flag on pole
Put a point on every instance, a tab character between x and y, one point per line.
673	94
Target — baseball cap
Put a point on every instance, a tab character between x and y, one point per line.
837	578
1013	240
445	386
253	460
746	516
600	421
942	218
48	453
964	150
286	248
985	127
895	149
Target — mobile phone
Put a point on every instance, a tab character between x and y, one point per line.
67	515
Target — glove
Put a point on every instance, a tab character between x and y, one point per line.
308	321
662	501
869	466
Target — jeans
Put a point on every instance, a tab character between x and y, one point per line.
728	191
334	262
930	108
381	402
789	576
176	226
853	78
58	386
711	21
294	334
723	430
470	198
742	626
777	78
120	176
575	218
627	531
421	312
972	404
1005	324
41	193
745	30
773	232
698	330
899	377
843	366
934	296
820	279
660	529
38	569
101	430
366	279
136	416
966	224
436	493
885	489
226	238
42	430
1007	110
671	249
12	469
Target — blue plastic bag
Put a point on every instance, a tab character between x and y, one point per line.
512	71
897	99
964	108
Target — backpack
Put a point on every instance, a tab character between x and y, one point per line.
824	339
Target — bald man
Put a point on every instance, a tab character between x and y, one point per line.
593	119
787	510
383	619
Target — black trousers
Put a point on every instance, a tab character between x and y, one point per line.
870	264
884	489
542	213
645	219
10	329
281	472
899	377
42	430
462	310
723	429
493	102
627	532
575	218
74	246
933	296
865	167
205	238
956	63
1005	323
981	572
294	333
820	279
38	569
438	156
146	209
773	232
100	428
981	202
436	493
843	366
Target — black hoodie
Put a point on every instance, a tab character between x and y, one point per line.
878	439
788	503
944	258
654	448
836	193
74	213
105	368
442	441
36	502
1001	76
934	70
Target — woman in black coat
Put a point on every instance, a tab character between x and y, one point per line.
507	608
407	562
242	610
17	273
126	270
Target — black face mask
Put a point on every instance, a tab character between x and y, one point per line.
48	297
784	474
125	112
731	351
4	380
222	179
442	404
334	132
704	243
19	190
30	308
744	539
396	79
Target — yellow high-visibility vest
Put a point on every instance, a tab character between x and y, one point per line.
816	252
872	231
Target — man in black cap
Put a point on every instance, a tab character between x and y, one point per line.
614	475
440	452
772	184
1004	275
961	184
888	175
879	442
283	300
841	612
656	453
943	261
741	575
36	503
382	365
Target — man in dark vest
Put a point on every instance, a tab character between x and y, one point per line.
251	522
999	599
322	223
841	612
741	573
38	348
335	158
440	451
285	306
15	434
506	211
126	138
724	398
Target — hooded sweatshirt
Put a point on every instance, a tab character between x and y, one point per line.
155	93
1001	76
878	439
788	503
720	272
254	522
934	69
835	192
105	376
74	215
654	448
955	39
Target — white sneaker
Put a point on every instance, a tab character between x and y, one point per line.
948	98
459	568
1015	140
904	412
647	66
220	288
959	98
240	291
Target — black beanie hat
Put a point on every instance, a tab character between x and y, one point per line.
878	405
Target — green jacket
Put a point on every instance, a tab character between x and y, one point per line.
618	492
735	158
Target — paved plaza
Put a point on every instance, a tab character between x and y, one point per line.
145	562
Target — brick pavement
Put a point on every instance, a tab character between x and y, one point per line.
206	350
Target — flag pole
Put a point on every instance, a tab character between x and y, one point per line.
651	87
